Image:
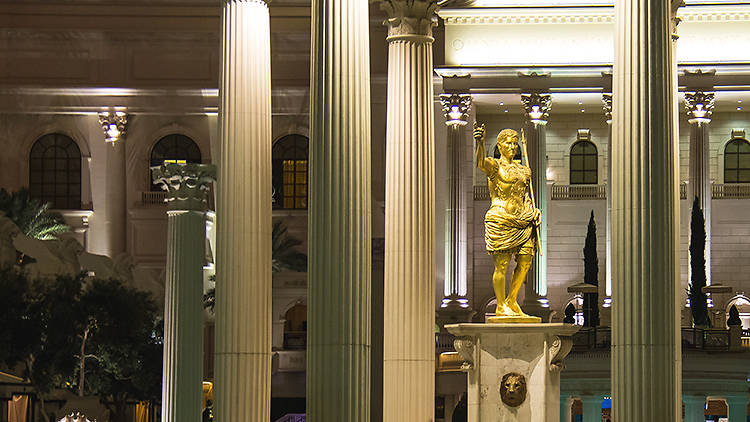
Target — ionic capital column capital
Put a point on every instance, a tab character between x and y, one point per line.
456	108
186	184
410	20
607	106
699	106
537	107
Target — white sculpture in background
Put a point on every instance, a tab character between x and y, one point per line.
76	417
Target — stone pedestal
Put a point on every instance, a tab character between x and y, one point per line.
534	351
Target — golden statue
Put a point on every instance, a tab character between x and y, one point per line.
511	223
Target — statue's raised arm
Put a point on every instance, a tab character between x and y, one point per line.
483	162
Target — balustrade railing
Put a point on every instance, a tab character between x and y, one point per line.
730	190
481	193
444	343
579	192
153	198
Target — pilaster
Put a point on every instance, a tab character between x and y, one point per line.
607	108
186	186
242	386
409	344
537	107
115	211
699	106
339	285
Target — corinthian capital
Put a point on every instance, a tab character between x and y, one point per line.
699	106
537	107
456	108
410	18
186	184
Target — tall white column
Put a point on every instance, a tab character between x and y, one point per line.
592	408
339	216
699	106
183	301
537	107
607	106
737	406
456	109
243	217
409	326
695	408
645	215
115	206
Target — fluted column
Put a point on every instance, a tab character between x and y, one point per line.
592	408
339	215
645	215
695	408
607	106
699	106
409	326
456	109
182	378
737	406
537	107
243	217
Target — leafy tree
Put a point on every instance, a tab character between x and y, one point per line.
734	317
15	325
120	346
590	276
698	299
283	256
44	345
32	216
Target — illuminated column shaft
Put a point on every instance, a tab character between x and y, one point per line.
243	269
537	110
695	408
699	108
339	216
607	99
456	107
116	204
645	215
183	300
409	325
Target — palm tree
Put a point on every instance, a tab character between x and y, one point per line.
32	216
283	256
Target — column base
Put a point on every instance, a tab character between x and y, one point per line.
529	354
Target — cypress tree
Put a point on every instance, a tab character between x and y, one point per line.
698	299
590	276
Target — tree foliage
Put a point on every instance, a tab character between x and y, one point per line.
32	216
120	346
590	276
734	317
698	299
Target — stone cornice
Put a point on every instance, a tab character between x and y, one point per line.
410	18
582	15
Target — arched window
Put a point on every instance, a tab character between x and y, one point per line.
55	171
516	158
290	172
583	163
174	148
743	306
295	327
577	303
737	161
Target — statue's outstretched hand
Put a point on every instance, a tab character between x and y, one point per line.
479	132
